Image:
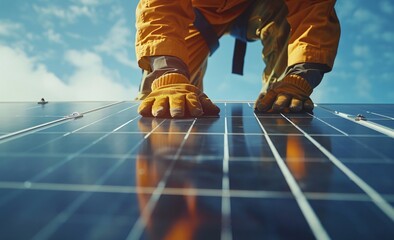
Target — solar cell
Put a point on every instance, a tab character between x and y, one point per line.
111	174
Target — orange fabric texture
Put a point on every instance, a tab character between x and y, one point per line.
315	31
163	27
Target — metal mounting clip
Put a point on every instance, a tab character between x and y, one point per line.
360	117
42	101
75	115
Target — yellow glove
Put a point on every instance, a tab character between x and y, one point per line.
290	94
173	96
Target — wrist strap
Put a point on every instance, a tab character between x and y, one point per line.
299	82
170	78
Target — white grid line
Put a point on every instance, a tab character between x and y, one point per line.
226	203
99	120
204	192
337	129
116	129
310	216
375	196
138	228
119	189
354	139
23	132
371	125
76	130
33	129
47	231
205	157
380	115
218	133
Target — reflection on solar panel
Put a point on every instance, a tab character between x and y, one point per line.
106	173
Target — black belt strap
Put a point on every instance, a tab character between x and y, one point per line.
239	57
212	40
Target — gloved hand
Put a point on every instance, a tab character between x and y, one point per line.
173	96
290	94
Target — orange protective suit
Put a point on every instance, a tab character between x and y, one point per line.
164	28
295	31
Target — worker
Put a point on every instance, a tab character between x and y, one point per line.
175	38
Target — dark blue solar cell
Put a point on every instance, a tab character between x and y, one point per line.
187	174
243	125
95	177
31	210
353	220
28	143
321	177
268	218
382	177
189	216
91	220
24	168
256	176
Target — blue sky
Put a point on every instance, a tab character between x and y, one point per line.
84	50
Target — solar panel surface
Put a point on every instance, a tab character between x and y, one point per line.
108	173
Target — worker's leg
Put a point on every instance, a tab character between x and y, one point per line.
198	57
268	23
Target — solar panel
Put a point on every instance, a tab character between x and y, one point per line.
97	170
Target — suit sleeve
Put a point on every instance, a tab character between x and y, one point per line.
315	32
162	26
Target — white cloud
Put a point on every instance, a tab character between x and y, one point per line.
358	65
14	34
387	7
389	56
369	23
90	2
83	60
118	44
51	10
116	12
363	15
31	36
386	77
92	80
76	11
9	28
223	87
363	88
69	14
372	29
25	79
361	51
74	36
388	37
332	89
345	8
53	36
324	92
